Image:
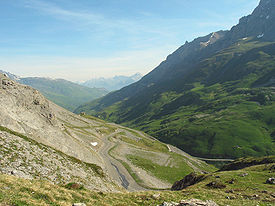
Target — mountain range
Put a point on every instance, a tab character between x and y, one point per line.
212	97
112	84
64	93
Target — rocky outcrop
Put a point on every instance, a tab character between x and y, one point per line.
187	181
270	180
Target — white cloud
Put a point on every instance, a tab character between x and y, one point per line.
59	12
80	18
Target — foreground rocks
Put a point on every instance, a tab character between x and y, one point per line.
192	202
188	180
270	181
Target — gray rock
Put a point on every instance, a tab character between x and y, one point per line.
270	180
156	196
13	172
243	175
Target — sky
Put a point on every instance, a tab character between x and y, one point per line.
82	39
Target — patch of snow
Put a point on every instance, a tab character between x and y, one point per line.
260	36
245	38
94	144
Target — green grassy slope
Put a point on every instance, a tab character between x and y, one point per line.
249	189
222	107
64	93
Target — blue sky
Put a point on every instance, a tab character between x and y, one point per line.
82	39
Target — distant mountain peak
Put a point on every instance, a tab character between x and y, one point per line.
113	83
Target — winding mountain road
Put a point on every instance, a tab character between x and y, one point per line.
115	169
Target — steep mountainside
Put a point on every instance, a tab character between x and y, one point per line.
66	94
40	140
114	83
213	97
